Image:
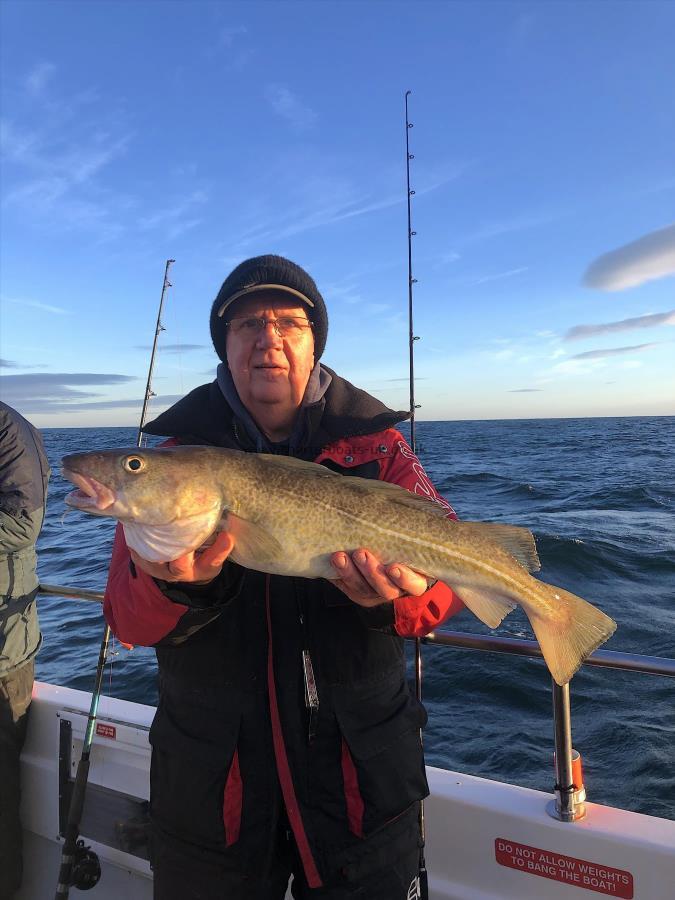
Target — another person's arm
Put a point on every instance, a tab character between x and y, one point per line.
19	529
22	487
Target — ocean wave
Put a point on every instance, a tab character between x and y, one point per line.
622	497
560	495
488	483
601	558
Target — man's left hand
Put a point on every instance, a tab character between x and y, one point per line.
366	581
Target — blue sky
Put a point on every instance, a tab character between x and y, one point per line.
209	132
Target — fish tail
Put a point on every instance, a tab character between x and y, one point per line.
566	640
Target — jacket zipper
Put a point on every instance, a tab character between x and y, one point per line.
311	692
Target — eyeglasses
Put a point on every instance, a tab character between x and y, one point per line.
285	326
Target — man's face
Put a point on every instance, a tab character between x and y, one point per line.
267	369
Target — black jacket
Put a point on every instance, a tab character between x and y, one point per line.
235	746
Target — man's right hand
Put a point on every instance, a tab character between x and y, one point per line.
198	566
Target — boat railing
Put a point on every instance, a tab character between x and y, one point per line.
569	803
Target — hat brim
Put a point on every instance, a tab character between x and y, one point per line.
256	288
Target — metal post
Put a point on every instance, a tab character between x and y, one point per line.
568	805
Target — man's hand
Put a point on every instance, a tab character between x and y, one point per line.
367	582
199	566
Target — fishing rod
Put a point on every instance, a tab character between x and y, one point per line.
412	337
423	887
80	867
159	328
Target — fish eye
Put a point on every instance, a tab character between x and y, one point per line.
133	464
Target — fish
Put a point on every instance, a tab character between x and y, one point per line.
288	516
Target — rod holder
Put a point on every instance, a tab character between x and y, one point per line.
570	794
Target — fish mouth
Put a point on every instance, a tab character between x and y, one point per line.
90	493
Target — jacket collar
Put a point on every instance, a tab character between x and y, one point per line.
343	410
318	383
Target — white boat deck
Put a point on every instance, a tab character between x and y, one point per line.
485	840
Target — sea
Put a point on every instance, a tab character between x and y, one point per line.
599	496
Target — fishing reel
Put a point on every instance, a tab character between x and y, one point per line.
86	868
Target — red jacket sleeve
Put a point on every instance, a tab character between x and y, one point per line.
417	616
134	607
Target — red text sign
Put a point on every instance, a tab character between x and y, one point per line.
108	731
579	872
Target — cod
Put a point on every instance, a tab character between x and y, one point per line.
288	516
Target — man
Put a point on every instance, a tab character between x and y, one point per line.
286	740
24	473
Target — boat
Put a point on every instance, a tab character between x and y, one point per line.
485	839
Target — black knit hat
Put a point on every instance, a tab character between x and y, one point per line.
268	273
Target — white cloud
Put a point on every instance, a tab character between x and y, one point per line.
49	391
174	219
229	34
326	207
646	259
649	321
499	275
577	366
507	226
502	355
289	106
45	307
613	351
17	146
345	293
59	181
304	191
37	78
445	258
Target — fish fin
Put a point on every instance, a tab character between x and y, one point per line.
490	608
296	465
397	494
517	541
367	486
567	639
253	546
403	497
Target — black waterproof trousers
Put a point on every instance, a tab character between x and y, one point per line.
15	696
385	868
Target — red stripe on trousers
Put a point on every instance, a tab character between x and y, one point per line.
353	796
232	802
283	768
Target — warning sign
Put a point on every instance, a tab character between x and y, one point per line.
103	730
579	872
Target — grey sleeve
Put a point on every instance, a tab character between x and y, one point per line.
24	472
19	531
